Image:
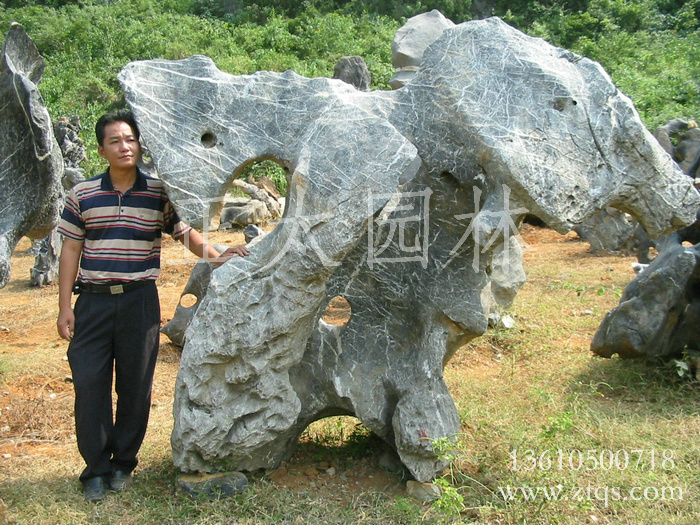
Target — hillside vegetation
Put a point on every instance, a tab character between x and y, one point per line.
650	47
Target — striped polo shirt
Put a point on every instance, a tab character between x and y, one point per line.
121	233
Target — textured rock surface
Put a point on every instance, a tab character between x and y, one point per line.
659	312
411	41
397	202
608	230
354	71
196	287
31	196
213	486
45	270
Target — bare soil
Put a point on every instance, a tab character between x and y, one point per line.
36	391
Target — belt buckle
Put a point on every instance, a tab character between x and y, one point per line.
116	289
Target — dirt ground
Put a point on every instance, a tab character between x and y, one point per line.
36	397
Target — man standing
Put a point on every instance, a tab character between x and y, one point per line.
112	227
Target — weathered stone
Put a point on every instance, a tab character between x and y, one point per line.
196	287
252	231
411	41
32	165
354	71
659	312
213	486
423	492
244	212
687	150
48	249
681	140
609	230
398	202
260	193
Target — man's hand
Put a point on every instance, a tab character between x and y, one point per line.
66	323
240	250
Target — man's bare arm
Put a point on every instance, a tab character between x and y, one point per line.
67	272
194	241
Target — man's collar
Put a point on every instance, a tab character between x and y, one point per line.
139	184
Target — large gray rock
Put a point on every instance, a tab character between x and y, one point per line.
398	201
45	270
609	230
411	41
659	312
31	196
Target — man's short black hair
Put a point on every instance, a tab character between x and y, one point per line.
122	115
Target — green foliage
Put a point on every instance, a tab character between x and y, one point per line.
270	169
650	47
87	43
261	11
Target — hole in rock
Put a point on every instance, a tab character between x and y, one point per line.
340	434
188	300
271	181
534	220
209	139
338	311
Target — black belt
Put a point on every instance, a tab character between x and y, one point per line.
114	288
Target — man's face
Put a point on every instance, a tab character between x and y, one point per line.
120	146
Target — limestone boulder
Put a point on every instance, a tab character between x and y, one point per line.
404	203
243	211
609	230
31	195
354	71
659	312
411	41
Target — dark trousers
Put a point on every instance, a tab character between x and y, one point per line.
113	333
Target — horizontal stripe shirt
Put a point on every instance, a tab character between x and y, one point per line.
121	233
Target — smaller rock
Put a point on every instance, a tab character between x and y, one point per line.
353	70
507	322
252	231
425	492
213	486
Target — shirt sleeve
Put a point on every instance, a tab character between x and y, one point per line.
172	223
72	224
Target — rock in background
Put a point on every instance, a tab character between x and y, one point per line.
354	71
31	195
401	202
659	311
411	41
48	249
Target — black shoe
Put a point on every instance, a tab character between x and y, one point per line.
120	481
95	489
